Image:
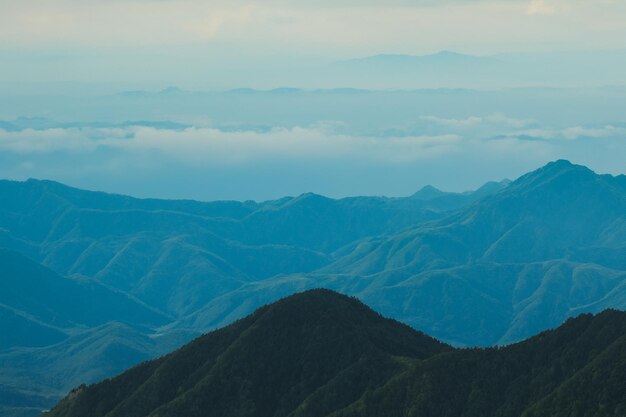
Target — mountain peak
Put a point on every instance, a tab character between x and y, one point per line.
560	170
171	90
276	361
428	192
276	369
560	164
322	307
449	54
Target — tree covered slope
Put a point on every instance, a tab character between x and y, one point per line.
319	353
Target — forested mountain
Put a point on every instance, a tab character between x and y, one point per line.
490	267
320	353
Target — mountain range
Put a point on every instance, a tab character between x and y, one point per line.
93	283
320	353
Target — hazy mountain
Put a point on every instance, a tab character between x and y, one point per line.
452	69
319	353
163	251
439	58
552	213
52	306
545	248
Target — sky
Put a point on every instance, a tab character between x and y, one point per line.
83	82
178	41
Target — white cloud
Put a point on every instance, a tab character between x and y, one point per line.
572	133
455	123
492	120
601	132
202	145
540	7
322	141
208	163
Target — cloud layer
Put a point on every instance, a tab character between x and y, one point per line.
208	163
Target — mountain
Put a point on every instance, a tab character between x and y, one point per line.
439	58
453	69
547	247
38	307
304	354
444	69
34	378
491	267
135	245
319	353
93	283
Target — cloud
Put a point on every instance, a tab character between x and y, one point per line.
540	7
493	120
572	133
200	145
471	121
431	137
208	163
607	131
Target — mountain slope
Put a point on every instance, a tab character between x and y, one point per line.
288	357
49	301
319	353
20	330
577	369
548	246
34	379
551	213
492	267
79	263
136	245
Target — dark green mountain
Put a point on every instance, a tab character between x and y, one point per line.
319	353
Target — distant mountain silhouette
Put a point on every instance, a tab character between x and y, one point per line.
319	353
443	69
439	58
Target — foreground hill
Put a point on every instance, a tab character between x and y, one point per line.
319	353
